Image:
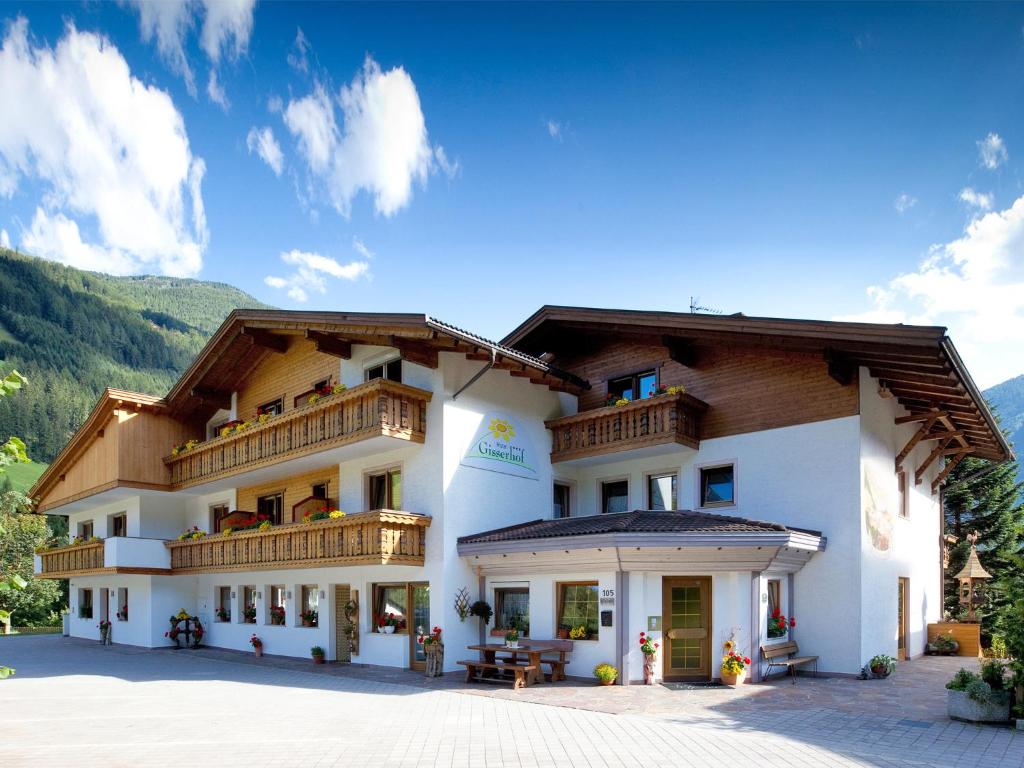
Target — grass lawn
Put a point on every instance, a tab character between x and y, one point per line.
24	475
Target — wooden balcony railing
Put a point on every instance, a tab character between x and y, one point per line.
381	537
374	409
643	423
65	562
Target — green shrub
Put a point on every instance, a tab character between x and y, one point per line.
961	680
993	672
605	672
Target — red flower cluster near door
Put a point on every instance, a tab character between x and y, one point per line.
778	622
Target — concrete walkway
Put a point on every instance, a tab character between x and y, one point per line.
77	703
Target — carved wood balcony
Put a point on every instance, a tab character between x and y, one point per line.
663	420
381	537
65	562
378	408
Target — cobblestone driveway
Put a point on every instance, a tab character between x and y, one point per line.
77	704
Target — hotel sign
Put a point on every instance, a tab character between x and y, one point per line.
499	445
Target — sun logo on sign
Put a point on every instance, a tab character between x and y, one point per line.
502	430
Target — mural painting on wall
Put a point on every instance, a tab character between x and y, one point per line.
879	518
499	445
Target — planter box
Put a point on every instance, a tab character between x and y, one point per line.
968	635
960	707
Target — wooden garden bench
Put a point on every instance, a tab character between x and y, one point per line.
475	668
774	654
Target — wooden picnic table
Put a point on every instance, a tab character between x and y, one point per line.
489	652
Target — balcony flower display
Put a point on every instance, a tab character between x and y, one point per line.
661	389
262	416
185	447
322	514
235	425
191	534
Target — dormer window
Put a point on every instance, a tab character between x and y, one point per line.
636	386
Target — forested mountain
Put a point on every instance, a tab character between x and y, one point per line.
72	333
1008	400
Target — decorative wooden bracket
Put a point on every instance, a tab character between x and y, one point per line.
262	338
914	417
839	367
681	350
921	434
960	456
330	345
417	352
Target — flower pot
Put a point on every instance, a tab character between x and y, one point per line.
390	630
608	682
734	680
880	670
318	659
960	706
258	651
306	623
511	643
562	634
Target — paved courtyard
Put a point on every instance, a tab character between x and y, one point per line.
75	703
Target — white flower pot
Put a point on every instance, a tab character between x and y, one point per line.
388	630
511	643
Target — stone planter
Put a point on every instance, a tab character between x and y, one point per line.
959	706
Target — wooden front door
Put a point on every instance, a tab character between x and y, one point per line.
343	593
686	625
903	599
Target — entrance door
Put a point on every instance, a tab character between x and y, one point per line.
343	627
419	623
686	622
901	614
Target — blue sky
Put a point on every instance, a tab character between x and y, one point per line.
831	161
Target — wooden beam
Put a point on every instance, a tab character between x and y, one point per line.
938	450
917	437
219	397
949	468
417	352
261	338
933	414
839	367
680	349
330	345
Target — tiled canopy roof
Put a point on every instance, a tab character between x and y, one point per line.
637	521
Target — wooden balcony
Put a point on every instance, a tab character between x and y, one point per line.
65	562
381	537
378	408
654	422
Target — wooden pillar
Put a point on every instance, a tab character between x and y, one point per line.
621	619
755	626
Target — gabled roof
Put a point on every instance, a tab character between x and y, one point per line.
918	364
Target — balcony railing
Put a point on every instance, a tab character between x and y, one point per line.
381	537
377	408
65	562
659	420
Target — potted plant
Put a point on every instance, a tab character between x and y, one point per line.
734	665
649	649
606	673
563	632
778	624
310	618
882	665
104	626
387	624
223	614
249	614
943	645
257	645
512	638
317	653
122	615
578	633
277	615
433	649
483	610
976	700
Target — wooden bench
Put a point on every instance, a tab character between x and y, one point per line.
773	655
474	670
557	664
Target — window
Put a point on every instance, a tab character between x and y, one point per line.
119	524
390	601
320	491
512	609
223	612
904	495
634	387
577	607
614	496
562	496
391	370
774	604
322	385
85	530
271	507
384	490
717	486
248	605
309	615
276	608
661	491
218	512
122	603
273	408
85	603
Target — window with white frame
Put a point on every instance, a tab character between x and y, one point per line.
384	489
248	612
309	613
223	611
276	605
85	603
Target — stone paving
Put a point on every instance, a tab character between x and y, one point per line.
75	703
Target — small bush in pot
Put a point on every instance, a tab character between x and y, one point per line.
257	645
317	653
973	699
606	673
512	638
882	665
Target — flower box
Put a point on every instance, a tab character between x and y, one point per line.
960	706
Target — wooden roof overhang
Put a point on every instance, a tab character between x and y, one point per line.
919	365
247	336
110	401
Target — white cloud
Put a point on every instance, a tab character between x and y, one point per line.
450	168
360	247
974	285
904	202
975	199
554	129
262	142
298	58
121	190
378	146
311	271
992	151
226	29
5	239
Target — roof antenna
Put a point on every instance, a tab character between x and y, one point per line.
695	307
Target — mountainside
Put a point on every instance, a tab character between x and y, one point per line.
72	333
1008	400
